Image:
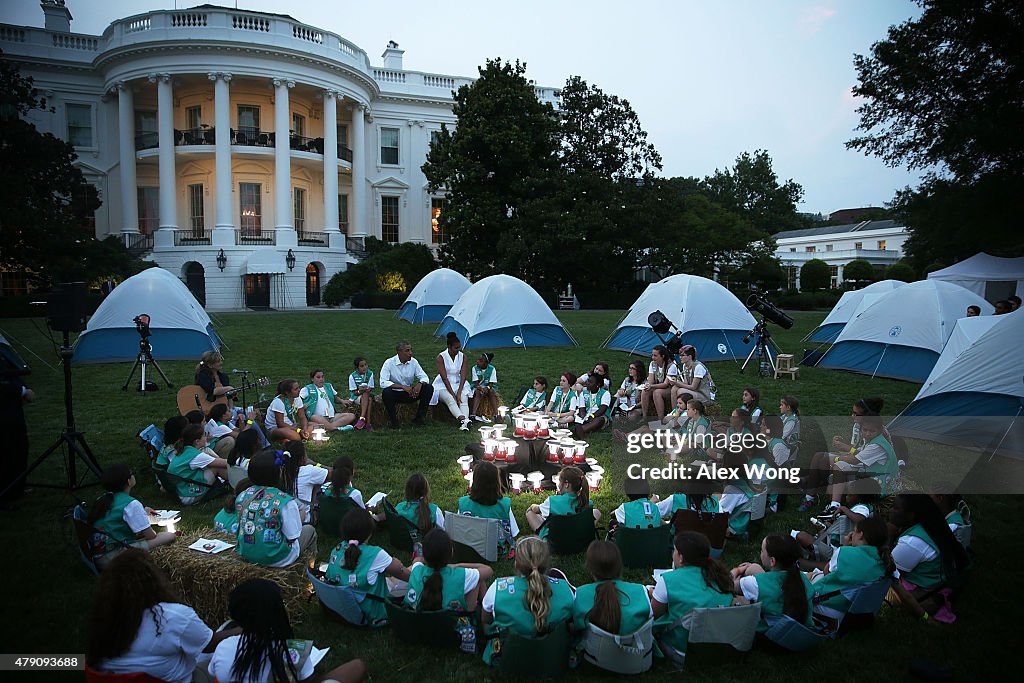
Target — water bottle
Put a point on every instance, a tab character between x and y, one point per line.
467	635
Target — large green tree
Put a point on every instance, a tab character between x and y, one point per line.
45	201
752	190
944	93
859	271
814	275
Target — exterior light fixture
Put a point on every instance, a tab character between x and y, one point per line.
222	260
289	260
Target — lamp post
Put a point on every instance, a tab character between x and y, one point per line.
222	260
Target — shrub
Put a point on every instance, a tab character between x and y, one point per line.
901	271
859	271
815	275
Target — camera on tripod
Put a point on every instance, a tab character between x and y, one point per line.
142	325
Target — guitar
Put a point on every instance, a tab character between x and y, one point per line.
193	396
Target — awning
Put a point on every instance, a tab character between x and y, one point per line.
264	261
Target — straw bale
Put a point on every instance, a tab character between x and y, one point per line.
439	413
205	581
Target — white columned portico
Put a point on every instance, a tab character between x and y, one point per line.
334	237
283	219
126	147
168	177
358	203
224	223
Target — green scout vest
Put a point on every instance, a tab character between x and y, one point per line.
313	396
357	578
680	502
562	504
453	590
113	524
889	470
191	483
511	612
772	443
633	600
686	590
260	539
693	438
482	378
956	518
163	458
410	510
534	399
641	514
499	511
212	440
927	574
226	521
769	594
328	490
592	402
561	400
359	380
857	565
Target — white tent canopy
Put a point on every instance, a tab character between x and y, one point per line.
849	306
992	277
433	296
500	311
711	317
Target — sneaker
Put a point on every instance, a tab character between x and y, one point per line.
806	505
369	427
346	428
360	423
483	419
478	418
830	510
464	426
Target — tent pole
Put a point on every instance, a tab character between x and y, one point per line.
879	363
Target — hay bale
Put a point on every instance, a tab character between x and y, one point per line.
205	581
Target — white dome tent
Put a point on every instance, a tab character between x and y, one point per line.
992	277
848	307
501	311
433	296
902	333
711	317
181	328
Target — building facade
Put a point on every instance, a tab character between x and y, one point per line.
880	243
248	153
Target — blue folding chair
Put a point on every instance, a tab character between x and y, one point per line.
790	634
344	601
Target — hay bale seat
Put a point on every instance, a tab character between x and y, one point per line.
439	413
204	582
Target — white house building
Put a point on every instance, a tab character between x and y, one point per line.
880	243
248	153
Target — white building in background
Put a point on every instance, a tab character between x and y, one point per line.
880	243
248	153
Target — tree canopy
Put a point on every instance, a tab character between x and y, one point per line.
859	271
752	189
815	275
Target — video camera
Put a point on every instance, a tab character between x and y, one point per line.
758	301
142	325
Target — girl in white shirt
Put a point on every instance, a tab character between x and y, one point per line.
286	419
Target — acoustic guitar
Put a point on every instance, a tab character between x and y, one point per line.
193	396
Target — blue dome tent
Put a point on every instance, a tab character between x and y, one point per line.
433	296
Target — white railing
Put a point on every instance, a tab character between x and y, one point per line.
438	81
388	76
12	34
306	33
248	22
137	24
75	42
188	19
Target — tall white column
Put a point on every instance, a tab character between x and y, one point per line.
283	219
224	222
334	236
126	146
357	204
168	176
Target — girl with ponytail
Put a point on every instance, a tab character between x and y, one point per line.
122	519
863	558
361	566
777	583
696	580
529	604
573	497
611	604
417	507
435	585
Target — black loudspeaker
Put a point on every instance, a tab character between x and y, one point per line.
66	308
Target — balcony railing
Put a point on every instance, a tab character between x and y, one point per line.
256	236
196	136
138	244
344	153
250	136
147	140
186	238
311	237
301	144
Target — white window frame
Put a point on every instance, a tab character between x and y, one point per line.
343	212
397	147
299	199
188	109
92	123
191	196
398	215
241	218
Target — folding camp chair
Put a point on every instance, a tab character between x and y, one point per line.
790	634
343	601
169	483
431	629
332	510
865	602
545	656
235	475
629	654
571	534
714	525
735	626
85	538
403	533
642	548
475	539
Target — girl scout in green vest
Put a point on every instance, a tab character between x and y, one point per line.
533	399
363	567
483	381
172	435
122	520
195	470
226	519
613	605
360	392
340	484
436	585
858	503
863	558
320	390
698	502
696	580
627	398
564	401
595	406
485	500
789	410
572	497
777	583
270	528
738	493
958	516
640	513
529	604
417	507
698	427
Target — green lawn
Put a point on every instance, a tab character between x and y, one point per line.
50	592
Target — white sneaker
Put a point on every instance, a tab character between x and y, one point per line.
464	427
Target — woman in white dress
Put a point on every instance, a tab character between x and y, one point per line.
450	385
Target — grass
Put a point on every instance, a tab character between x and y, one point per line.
50	593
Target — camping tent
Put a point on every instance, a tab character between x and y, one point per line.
181	329
974	387
992	277
903	332
848	307
501	310
433	296
10	361
710	316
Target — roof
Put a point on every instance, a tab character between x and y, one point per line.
837	229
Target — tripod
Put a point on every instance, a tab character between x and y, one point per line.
144	358
765	362
70	438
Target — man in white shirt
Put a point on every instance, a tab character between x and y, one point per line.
402	380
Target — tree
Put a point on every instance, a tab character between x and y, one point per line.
45	200
499	167
815	275
901	271
387	268
859	271
752	190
